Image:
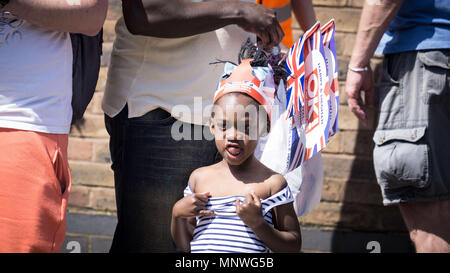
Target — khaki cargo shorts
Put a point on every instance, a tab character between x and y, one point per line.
412	139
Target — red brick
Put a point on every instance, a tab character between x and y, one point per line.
296	34
347	19
106	54
91	174
348	167
348	121
101	82
334	144
324	214
351	191
360	217
342	94
109	32
103	199
79	149
101	152
333	3
356	3
344	43
362	192
357	142
333	190
342	67
79	196
114	10
355	216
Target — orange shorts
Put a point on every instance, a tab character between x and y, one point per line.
34	188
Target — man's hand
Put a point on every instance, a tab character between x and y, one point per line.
178	18
374	21
263	22
250	210
355	84
192	205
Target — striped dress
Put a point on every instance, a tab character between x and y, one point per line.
226	232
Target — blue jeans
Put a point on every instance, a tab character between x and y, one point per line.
151	170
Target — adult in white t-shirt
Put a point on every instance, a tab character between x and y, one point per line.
157	90
35	116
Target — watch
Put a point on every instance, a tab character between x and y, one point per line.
3	3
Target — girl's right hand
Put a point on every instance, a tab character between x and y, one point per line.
192	205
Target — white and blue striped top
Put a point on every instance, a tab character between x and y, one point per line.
226	232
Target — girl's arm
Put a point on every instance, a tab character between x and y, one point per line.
182	230
285	237
183	218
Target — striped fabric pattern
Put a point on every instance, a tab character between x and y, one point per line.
226	232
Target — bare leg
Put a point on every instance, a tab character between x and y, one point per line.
428	223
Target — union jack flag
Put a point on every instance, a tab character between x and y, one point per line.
295	66
330	49
310	106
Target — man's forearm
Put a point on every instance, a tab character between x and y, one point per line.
304	13
76	16
375	19
174	19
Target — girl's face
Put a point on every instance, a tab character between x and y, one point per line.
235	127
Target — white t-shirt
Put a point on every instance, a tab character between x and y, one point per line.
147	72
35	77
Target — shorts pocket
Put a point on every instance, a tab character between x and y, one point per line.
391	70
61	172
390	92
436	76
401	158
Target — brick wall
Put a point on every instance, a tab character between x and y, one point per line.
92	207
350	213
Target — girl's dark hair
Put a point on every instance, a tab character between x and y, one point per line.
262	58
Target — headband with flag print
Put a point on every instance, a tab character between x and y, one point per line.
257	82
311	96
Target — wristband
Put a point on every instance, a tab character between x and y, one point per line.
359	69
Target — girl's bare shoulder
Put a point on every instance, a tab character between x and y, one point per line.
202	175
276	182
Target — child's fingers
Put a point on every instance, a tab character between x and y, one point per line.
199	205
198	202
206	212
238	206
203	196
248	198
256	199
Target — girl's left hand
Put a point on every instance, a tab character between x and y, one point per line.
250	210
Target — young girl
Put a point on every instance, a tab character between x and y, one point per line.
238	204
